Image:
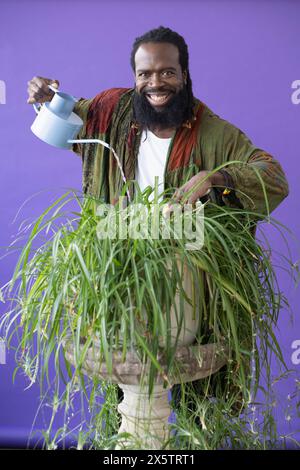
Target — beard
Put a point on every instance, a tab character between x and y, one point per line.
173	114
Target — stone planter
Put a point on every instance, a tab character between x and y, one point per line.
146	418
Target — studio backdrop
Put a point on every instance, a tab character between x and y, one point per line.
244	62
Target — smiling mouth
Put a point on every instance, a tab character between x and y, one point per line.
158	99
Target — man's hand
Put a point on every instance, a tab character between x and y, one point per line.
197	187
38	90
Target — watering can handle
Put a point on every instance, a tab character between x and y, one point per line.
37	106
53	88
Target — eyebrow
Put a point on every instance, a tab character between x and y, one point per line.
164	68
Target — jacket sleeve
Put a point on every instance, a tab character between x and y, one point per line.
81	109
258	179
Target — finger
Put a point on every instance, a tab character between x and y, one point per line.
167	209
37	98
37	93
197	195
31	100
43	83
32	88
183	197
55	84
192	199
178	195
33	93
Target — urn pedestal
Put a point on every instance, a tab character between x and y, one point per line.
145	418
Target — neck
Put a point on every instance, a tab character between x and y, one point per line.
163	133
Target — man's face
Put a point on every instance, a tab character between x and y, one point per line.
160	98
158	74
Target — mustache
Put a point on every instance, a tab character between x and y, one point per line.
157	90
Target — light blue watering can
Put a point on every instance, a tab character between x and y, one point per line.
57	124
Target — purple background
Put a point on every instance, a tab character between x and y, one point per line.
244	57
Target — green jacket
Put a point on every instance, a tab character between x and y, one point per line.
204	143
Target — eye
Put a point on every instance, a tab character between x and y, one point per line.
143	74
167	73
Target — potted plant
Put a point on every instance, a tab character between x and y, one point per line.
78	291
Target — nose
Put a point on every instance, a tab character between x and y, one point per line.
155	80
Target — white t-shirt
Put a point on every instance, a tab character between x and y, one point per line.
151	160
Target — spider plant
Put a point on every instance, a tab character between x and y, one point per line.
69	282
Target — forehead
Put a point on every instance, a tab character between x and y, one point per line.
156	55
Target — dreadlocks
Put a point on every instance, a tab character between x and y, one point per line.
166	35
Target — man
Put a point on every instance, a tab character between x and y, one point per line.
160	129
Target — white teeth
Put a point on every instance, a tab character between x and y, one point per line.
158	97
